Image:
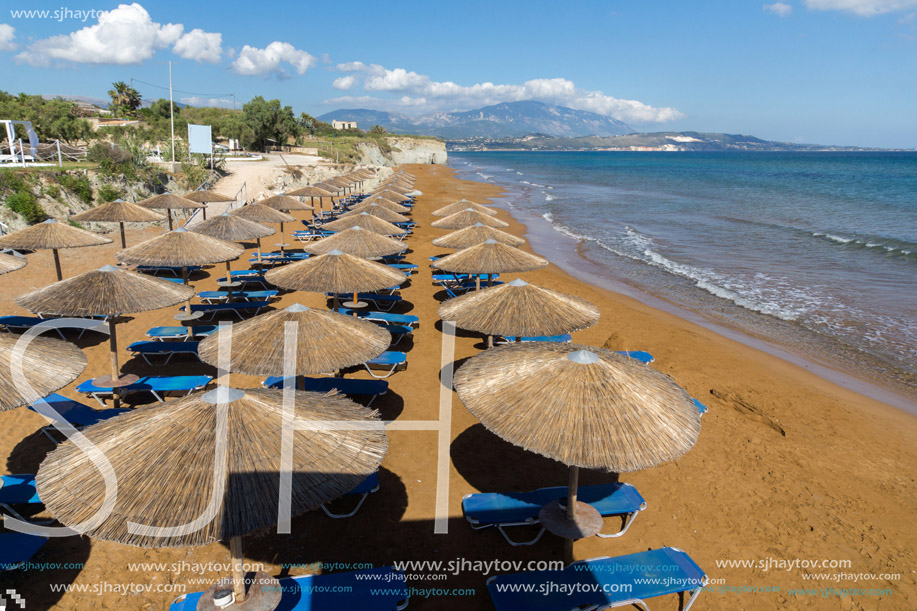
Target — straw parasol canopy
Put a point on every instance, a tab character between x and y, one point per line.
335	273
466	218
171	470
393	207
476	234
180	248
490	257
366	221
310	191
401	189
208	196
390	195
358	242
51	235
325	342
166	471
583	406
328	186
47	365
119	211
10	263
284	203
379	212
108	291
463	204
232	228
168	202
260	213
519	309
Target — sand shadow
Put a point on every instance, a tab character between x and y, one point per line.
34	582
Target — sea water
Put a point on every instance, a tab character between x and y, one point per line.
815	251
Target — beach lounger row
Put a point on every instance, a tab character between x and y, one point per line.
72	412
252	308
160	269
350	387
155	385
146	349
408	320
219	296
380	301
181	333
24	323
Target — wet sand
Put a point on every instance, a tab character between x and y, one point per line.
788	465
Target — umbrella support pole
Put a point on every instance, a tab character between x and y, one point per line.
60	276
123	241
572	485
169	213
281	237
337	305
259	252
238	574
115	374
228	282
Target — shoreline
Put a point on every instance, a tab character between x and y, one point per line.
564	251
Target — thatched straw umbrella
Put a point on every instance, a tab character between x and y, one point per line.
215	454
466	218
233	229
393	207
284	203
312	192
387	196
208	196
10	263
51	235
47	365
325	342
366	221
358	242
168	202
119	211
585	407
401	189
379	211
489	257
463	204
519	309
110	292
476	234
262	214
335	273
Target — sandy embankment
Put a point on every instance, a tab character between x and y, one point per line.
787	466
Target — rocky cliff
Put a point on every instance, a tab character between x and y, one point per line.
404	150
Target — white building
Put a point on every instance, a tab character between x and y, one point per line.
344	124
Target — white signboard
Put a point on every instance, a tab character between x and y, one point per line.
199	140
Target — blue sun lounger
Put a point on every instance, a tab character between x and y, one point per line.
247	276
701	408
145	349
175	271
236	307
408	320
363	490
407	268
75	413
381	589
388	361
398	332
155	385
18	548
347	386
601	583
22	323
379	300
557	339
211	296
18	490
197	332
503	510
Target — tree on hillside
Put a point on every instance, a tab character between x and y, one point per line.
378	129
52	119
160	108
124	99
270	122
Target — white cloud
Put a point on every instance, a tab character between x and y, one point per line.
7	34
125	35
200	46
781	9
199	101
419	90
344	83
253	61
863	8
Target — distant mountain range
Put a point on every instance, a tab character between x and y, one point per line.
506	120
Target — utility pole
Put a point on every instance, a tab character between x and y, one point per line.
171	112
233	101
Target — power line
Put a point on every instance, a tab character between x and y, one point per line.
212	95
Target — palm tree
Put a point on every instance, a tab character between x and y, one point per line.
124	98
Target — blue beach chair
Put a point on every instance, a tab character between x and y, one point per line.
380	301
701	408
601	583
18	548
398	332
363	490
388	361
155	385
558	339
181	333
19	490
77	414
347	386
145	349
381	589
219	296
236	307
175	271
504	510
408	320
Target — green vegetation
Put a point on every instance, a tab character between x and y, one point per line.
25	205
52	119
107	193
125	100
77	184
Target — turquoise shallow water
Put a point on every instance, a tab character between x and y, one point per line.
817	251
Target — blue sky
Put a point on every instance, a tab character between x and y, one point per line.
820	71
